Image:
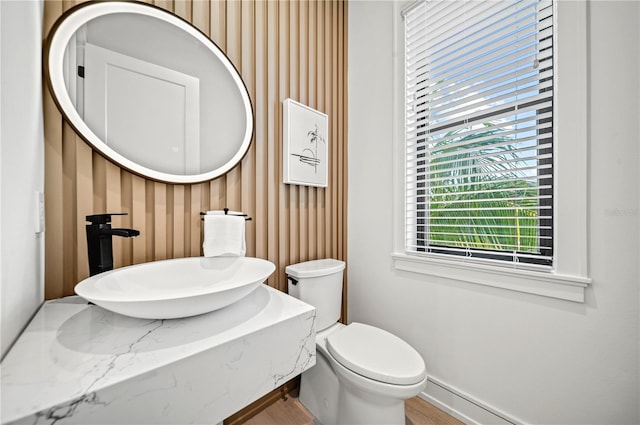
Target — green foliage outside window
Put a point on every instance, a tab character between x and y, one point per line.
481	199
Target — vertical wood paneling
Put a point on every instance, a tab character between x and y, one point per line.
115	202
260	139
282	49
126	253
149	222
286	195
233	22
160	221
84	201
182	8
335	154
316	89
194	228
247	69
69	222
139	218
272	126
55	179
329	85
170	221
178	222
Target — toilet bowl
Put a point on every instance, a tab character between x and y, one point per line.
363	374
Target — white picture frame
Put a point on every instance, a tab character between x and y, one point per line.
305	134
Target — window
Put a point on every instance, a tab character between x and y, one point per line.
486	90
479	121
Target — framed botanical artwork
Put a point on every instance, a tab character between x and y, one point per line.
305	150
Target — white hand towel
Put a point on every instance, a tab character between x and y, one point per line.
224	236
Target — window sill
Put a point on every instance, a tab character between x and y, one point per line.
544	283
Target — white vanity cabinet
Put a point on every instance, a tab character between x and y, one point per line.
77	363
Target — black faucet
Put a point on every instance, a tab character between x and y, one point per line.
99	243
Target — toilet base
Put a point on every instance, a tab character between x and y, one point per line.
357	407
319	392
334	402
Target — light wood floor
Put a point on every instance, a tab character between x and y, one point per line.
292	412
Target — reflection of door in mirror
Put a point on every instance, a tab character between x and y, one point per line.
139	108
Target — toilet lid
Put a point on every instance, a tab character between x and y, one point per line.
376	354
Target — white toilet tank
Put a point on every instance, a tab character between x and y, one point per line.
318	283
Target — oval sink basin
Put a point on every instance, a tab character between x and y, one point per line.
171	289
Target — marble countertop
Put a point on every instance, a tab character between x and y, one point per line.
72	350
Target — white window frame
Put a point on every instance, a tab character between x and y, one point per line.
569	276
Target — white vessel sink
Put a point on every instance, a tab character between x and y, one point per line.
181	287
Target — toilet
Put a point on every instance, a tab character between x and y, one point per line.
363	374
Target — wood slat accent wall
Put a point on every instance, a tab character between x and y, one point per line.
282	49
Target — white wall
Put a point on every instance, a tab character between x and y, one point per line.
529	358
22	165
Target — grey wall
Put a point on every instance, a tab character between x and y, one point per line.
22	165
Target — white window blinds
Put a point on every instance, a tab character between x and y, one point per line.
479	115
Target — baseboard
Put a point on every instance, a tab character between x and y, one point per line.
464	407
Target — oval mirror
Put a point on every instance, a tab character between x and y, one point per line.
149	91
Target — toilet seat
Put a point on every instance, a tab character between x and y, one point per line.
376	354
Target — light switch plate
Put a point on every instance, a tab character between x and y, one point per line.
39	212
